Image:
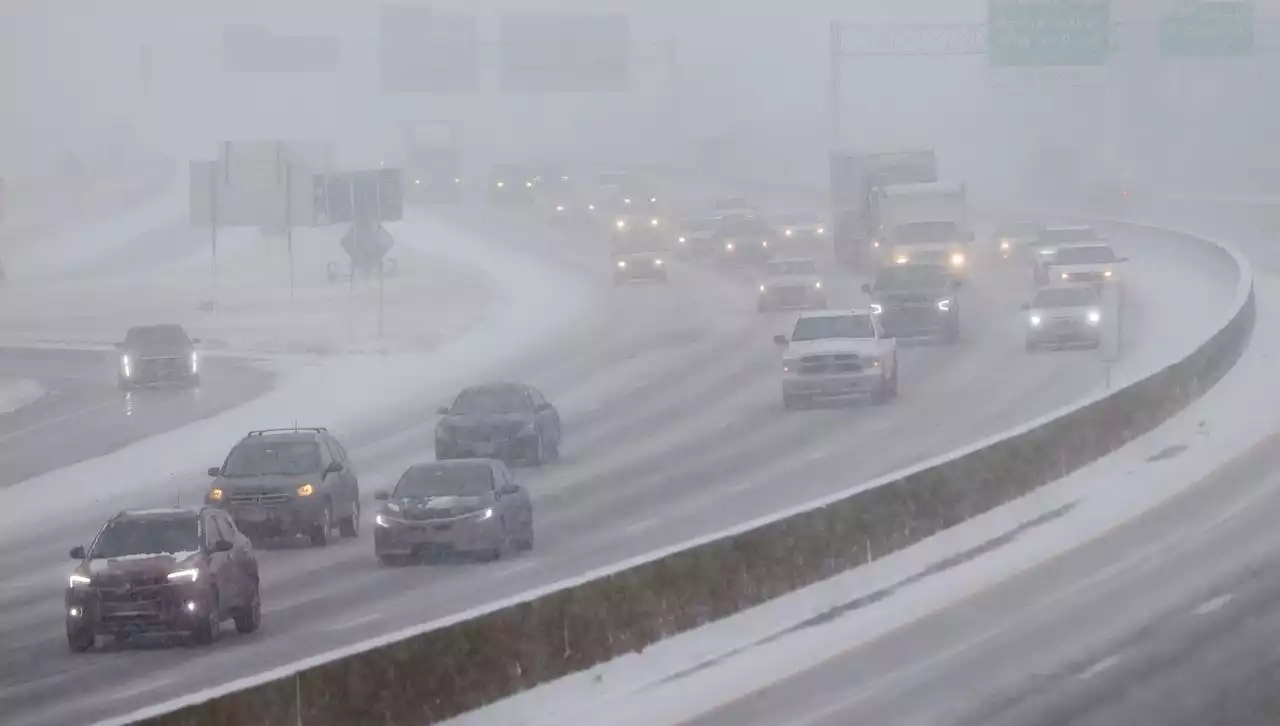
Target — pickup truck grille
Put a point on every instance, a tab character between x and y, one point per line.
259	498
836	363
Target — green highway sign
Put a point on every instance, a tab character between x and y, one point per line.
1048	32
1209	28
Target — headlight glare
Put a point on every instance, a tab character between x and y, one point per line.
622	264
944	305
77	580
216	494
957	260
188	575
876	309
1095	316
1035	321
306	490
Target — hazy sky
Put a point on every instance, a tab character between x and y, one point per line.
753	73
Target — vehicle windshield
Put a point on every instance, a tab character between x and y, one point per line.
504	399
156	335
260	456
125	537
1065	297
1019	230
445	480
833	326
1066	236
926	232
793	267
800	218
911	277
1092	254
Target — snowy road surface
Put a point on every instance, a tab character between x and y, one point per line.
673	428
82	415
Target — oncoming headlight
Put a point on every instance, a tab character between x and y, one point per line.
901	259
957	260
876	309
1095	317
1106	273
77	580
1035	321
622	264
944	305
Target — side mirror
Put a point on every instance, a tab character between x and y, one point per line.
223	545
333	468
382	495
780	340
866	287
1026	306
507	489
77	552
543	407
443	410
215	471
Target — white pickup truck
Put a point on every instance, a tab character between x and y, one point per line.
837	354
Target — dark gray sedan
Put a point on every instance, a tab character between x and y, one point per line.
508	421
466	505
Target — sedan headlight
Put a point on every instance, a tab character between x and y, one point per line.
620	224
653	222
876	309
682	240
78	580
1035	321
789	233
901	259
817	285
728	246
382	520
216	494
1004	244
1106	273
501	184
957	260
657	262
764	289
1066	276
1094	317
188	575
483	514
944	305
306	490
559	207
821	230
622	264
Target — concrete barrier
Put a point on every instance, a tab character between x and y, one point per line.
441	669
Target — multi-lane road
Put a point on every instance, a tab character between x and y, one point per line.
674	428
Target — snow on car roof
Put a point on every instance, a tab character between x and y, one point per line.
161	512
834	313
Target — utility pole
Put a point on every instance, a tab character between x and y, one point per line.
834	93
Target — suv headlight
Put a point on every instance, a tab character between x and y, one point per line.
78	580
944	305
957	260
306	490
188	575
1095	317
1035	321
622	264
876	308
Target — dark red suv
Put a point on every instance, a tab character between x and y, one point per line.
163	572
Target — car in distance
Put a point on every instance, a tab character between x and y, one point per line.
1052	237
633	266
1014	239
790	284
1064	315
696	236
463	505
289	482
916	301
803	232
507	421
163	572
745	240
837	354
158	354
1093	262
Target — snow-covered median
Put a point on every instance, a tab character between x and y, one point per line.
19	393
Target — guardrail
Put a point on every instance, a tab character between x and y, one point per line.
445	668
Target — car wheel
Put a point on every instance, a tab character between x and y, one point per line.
525	542
207	631
249	620
320	533
350	526
80	640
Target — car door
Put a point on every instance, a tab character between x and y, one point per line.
514	508
242	565
349	472
336	482
221	569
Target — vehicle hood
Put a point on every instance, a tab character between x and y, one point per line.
1075	311
637	256
904	295
157	351
1082	267
139	566
810	227
791	281
267	483
856	346
435	507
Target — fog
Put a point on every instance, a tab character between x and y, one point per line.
88	76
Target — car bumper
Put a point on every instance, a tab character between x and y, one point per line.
833	386
518	447
261	521
1065	336
416	538
172	609
918	325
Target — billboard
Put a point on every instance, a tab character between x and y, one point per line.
255	49
564	53
421	51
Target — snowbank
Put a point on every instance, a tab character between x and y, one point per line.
19	393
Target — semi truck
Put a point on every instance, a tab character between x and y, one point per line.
856	180
926	223
432	159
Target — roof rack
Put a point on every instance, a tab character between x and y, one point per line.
293	430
